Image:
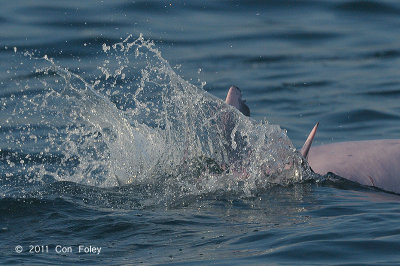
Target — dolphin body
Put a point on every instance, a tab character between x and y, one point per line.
373	162
370	162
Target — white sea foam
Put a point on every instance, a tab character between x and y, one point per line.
139	122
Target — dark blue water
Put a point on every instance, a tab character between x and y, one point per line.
119	148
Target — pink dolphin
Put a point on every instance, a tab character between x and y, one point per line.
372	163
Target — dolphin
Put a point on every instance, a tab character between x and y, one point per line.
372	162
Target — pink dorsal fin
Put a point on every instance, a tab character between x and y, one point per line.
234	98
307	145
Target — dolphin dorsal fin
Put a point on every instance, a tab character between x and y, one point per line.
234	98
307	145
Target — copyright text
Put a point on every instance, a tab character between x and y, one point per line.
59	249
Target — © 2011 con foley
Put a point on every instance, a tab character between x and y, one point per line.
61	249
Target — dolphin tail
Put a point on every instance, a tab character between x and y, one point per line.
307	145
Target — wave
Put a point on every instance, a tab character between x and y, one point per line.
368	7
138	122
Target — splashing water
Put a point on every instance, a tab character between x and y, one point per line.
139	123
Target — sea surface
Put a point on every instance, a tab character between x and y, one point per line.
116	146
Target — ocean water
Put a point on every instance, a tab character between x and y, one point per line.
116	147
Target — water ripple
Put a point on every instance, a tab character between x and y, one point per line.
383	93
360	115
368	7
85	23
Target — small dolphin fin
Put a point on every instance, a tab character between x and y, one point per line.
307	145
234	98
